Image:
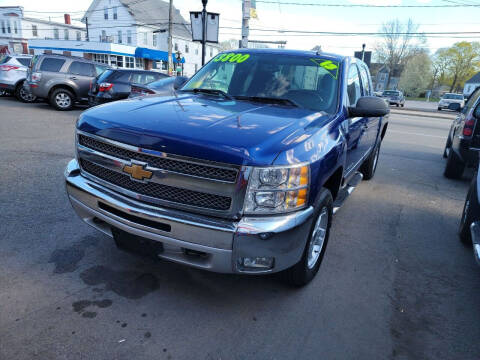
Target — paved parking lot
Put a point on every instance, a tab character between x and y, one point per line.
395	284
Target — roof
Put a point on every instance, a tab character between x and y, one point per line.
331	56
153	13
41	21
475	79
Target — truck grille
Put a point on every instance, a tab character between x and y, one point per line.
158	191
182	167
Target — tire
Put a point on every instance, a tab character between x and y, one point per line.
454	167
448	145
22	95
62	99
370	164
439	109
471	209
403	105
305	270
398	105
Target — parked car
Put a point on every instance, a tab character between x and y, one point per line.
239	173
165	87
469	230
394	97
13	72
115	84
450	98
463	141
62	80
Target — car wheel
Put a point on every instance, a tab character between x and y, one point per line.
448	145
398	105
62	99
370	164
454	167
23	95
305	270
439	109
403	105
470	208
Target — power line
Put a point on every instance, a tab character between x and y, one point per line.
367	5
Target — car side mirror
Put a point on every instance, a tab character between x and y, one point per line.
455	107
179	82
369	106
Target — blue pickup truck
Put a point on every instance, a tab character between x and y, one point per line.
241	170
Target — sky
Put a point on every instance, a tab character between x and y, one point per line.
277	16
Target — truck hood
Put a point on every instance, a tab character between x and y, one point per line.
203	126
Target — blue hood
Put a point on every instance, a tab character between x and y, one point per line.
202	126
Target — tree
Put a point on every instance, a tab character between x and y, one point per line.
462	62
417	75
439	68
399	42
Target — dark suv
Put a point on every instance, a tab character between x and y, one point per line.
116	84
463	142
63	80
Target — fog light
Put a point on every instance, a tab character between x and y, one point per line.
260	263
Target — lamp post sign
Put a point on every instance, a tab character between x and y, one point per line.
204	27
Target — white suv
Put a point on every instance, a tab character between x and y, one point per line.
13	72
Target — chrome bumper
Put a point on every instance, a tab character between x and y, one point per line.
475	232
221	242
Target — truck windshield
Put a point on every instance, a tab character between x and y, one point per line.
308	82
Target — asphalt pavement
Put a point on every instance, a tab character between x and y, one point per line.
395	283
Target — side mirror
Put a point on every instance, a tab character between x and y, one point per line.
179	82
455	107
369	106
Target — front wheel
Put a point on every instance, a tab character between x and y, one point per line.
305	270
370	165
23	95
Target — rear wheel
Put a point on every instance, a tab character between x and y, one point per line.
439	109
305	270
448	145
370	164
454	167
62	99
470	208
23	95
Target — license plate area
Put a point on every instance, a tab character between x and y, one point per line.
137	244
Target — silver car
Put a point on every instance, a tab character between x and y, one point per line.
13	72
450	98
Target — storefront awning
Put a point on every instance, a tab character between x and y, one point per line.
157	55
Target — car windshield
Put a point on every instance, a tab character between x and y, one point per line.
453	96
391	93
4	59
308	82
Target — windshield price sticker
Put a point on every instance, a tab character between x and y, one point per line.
329	65
232	57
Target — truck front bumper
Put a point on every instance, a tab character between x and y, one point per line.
269	243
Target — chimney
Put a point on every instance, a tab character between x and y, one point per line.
67	19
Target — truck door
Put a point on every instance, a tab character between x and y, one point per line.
355	127
372	123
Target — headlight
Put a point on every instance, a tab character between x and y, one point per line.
276	190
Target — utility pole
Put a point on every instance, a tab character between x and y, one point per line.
245	26
204	30
86	23
170	20
363	52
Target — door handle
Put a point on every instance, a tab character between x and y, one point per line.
73	78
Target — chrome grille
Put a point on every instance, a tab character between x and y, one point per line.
159	191
182	167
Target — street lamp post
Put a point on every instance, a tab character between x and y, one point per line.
179	68
204	30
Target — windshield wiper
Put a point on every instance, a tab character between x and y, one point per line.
211	91
270	100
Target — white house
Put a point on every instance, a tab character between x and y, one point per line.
16	30
144	25
471	84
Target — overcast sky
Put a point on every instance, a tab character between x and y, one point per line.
309	18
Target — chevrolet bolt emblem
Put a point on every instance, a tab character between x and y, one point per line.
137	172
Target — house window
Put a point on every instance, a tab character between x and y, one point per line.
15	26
34	30
164	65
154	40
115	16
79	36
145	38
196	51
116	60
65	34
138	63
3	26
129	62
176	47
101	58
129	36
186	48
104	36
9	28
56	34
382	76
105	13
119	37
211	52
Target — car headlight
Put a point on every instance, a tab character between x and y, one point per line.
274	190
